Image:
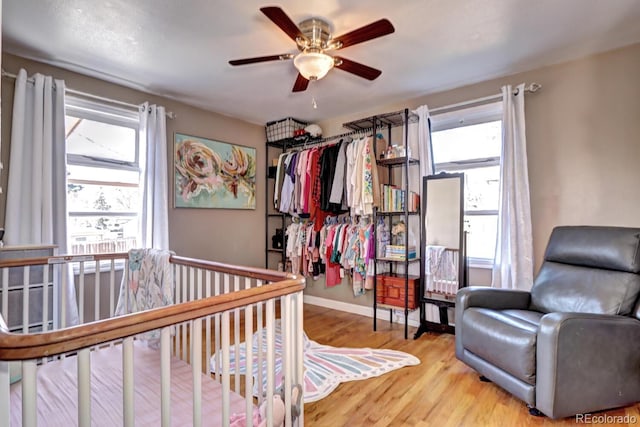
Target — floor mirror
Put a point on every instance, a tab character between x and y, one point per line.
443	269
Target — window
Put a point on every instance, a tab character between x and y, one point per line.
470	141
103	176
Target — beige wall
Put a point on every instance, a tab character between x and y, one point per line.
223	235
583	146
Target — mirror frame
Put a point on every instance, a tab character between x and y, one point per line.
462	258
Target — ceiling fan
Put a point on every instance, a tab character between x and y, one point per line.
313	39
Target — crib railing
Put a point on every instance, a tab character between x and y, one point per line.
216	307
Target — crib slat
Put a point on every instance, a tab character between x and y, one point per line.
112	286
62	306
5	293
127	277
178	299
208	324
260	332
183	327
84	388
196	367
45	299
299	348
236	331
165	376
270	312
248	338
96	292
127	382
29	394
192	283
226	383
287	351
25	299
217	327
81	292
5	405
199	284
260	380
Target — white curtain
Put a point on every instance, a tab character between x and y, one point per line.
424	141
155	192
36	212
513	263
419	140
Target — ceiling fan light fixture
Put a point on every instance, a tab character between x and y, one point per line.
313	65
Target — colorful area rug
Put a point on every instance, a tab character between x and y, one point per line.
325	367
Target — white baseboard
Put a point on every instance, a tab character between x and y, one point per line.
362	310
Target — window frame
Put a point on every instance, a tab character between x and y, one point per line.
469	116
91	110
104	113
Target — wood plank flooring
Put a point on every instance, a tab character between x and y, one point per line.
439	392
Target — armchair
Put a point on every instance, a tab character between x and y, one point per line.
572	344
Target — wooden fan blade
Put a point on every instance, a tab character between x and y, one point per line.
281	19
375	29
246	61
356	68
301	84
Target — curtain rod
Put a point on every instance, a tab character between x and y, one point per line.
532	88
169	114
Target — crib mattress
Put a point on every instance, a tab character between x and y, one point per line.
57	392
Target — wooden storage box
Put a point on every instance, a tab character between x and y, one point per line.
390	291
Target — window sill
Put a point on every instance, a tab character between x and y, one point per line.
485	264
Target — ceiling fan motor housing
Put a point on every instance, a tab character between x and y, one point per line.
317	33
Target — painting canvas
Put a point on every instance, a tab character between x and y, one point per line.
213	174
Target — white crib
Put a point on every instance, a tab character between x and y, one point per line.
98	373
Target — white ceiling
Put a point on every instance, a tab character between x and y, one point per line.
180	49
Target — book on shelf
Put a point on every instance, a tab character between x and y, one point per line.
399	252
395	198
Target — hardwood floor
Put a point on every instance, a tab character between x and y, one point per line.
441	391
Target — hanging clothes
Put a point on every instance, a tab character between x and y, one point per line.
336	195
327	173
279	179
318	183
286	194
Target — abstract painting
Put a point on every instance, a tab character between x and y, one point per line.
213	174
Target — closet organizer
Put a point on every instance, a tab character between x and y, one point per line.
323	203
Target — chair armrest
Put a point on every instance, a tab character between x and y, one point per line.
586	362
481	296
497	299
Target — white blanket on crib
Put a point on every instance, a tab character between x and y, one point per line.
150	283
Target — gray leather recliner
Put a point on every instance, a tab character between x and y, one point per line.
572	344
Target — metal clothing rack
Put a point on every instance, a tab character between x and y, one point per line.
388	121
368	126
